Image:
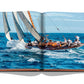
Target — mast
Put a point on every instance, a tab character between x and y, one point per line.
17	26
31	19
29	26
6	26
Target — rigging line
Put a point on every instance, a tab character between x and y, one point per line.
53	22
55	26
58	28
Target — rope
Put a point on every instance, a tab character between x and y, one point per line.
53	22
58	28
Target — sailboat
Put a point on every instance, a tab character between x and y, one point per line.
27	20
32	30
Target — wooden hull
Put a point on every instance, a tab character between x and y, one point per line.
61	48
64	48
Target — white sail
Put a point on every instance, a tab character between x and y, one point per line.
29	26
27	16
17	26
15	14
8	36
6	26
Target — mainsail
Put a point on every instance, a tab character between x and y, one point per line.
27	23
27	16
6	26
17	26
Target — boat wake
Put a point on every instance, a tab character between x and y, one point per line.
18	46
70	54
33	55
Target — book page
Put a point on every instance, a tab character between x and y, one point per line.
19	37
64	34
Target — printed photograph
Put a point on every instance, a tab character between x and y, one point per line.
33	41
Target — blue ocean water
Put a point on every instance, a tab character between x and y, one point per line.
17	57
68	59
13	54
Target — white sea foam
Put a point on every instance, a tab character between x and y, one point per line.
35	49
73	51
16	44
67	55
79	61
32	60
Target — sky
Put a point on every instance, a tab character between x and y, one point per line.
66	22
36	17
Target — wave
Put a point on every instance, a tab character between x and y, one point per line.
32	60
79	61
16	44
71	54
72	51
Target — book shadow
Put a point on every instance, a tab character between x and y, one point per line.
38	73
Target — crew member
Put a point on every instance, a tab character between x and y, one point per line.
35	43
77	42
77	38
69	42
49	43
54	44
11	38
29	44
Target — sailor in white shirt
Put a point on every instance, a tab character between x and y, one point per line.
69	42
35	43
77	42
65	40
77	37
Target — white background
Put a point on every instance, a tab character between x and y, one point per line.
42	6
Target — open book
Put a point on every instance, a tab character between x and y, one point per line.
33	41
